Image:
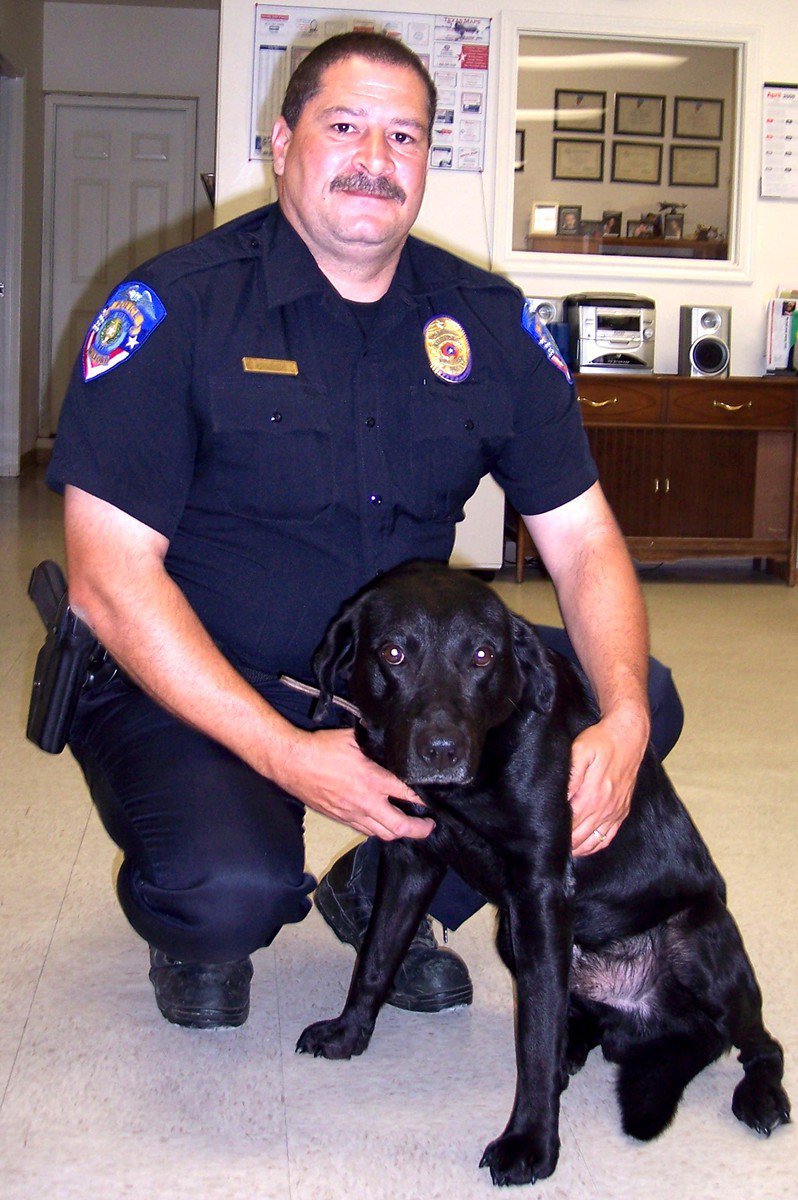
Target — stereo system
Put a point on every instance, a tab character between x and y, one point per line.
614	331
611	332
704	335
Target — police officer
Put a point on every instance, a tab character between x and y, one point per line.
258	424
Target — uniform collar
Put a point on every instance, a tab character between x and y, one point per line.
292	272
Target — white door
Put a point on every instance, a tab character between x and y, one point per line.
11	147
120	189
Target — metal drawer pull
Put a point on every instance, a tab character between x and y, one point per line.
597	403
666	485
731	407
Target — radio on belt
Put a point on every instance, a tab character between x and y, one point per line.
610	331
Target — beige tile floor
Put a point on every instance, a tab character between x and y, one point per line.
100	1099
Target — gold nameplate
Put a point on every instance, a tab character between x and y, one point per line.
270	366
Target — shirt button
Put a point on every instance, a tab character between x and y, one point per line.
276	417
370	422
375	499
469	424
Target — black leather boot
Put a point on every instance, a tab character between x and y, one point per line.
430	979
201	995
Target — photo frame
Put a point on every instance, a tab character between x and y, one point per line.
636	162
673	226
579	112
698	117
639	114
592	229
520	149
643	227
612	223
579	159
569	220
694	166
543	219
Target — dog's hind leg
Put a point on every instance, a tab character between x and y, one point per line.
406	883
654	1074
719	974
584	1033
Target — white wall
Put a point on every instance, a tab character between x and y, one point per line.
136	50
458	208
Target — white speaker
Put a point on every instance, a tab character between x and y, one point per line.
548	308
704	337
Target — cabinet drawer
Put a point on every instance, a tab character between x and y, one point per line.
732	403
619	401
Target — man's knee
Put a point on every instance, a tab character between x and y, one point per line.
225	913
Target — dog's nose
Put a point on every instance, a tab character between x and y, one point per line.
441	751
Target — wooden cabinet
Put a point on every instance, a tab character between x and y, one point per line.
696	468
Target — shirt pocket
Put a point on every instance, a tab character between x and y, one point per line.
270	452
456	430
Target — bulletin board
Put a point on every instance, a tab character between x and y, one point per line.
455	51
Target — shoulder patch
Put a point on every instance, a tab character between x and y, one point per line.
540	334
123	325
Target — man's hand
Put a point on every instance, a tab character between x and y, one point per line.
605	759
329	773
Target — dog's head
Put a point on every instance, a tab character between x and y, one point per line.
434	660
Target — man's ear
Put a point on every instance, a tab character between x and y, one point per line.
281	136
536	669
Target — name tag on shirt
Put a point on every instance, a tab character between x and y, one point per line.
270	366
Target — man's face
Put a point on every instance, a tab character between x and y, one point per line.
351	173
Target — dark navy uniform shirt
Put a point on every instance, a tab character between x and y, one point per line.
281	495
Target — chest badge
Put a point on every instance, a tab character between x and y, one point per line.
448	351
129	317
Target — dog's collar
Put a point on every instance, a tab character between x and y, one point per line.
308	690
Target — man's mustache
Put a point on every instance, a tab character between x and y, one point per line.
368	185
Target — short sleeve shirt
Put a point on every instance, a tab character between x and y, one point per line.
287	456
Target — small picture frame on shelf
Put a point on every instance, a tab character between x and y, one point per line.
579	112
612	223
698	117
591	229
643	227
639	115
569	220
543	219
673	226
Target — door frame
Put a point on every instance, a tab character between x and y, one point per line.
12	143
53	102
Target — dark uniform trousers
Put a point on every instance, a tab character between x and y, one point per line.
213	852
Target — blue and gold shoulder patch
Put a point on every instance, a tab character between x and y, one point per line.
124	324
540	334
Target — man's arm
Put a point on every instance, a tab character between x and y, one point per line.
603	610
119	586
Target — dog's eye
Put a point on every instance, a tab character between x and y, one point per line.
392	654
483	656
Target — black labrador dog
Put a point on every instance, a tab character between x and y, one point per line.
631	949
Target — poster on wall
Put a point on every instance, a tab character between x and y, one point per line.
455	51
780	141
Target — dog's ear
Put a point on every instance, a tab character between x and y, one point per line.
535	665
334	656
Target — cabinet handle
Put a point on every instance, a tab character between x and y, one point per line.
597	403
731	407
666	486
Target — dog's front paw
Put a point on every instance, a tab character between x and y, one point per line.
761	1104
337	1038
516	1158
